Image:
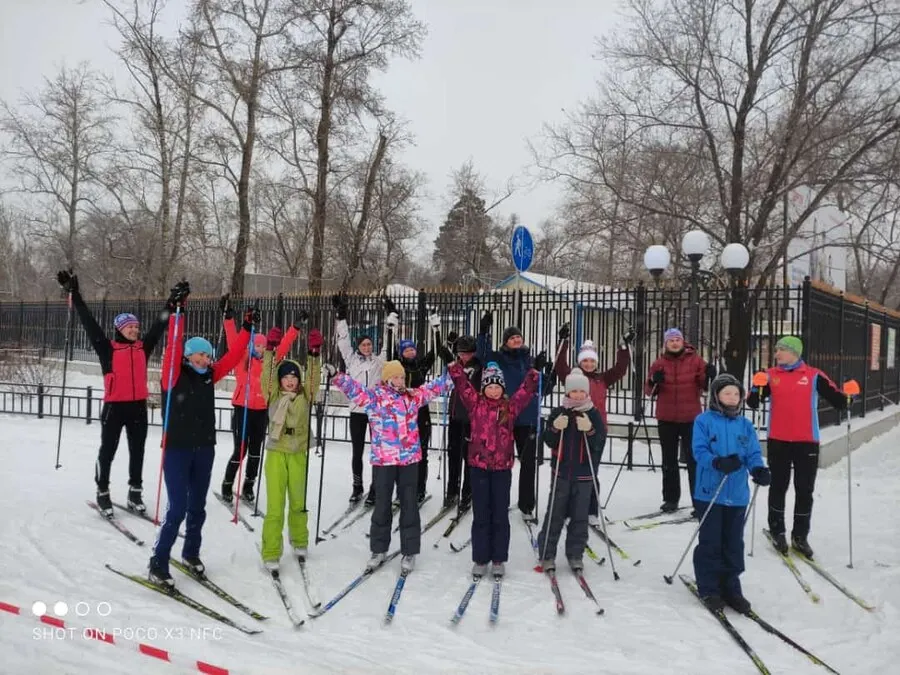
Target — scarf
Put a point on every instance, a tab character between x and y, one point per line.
278	414
577	406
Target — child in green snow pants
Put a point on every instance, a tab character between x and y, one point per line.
285	480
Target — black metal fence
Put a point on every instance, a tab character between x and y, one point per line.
844	336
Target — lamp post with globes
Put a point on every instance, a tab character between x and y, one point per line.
734	259
695	245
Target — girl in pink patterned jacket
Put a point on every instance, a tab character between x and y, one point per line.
393	412
491	457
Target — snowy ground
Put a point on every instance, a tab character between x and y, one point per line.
54	549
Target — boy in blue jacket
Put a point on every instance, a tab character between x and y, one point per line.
725	444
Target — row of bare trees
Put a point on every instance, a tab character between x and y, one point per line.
251	139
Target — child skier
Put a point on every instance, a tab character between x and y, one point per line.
726	447
287	446
576	434
256	410
491	458
190	439
123	361
393	411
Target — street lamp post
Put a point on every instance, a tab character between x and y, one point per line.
656	260
695	245
734	259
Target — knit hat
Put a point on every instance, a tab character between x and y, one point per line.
791	344
587	351
466	345
492	375
362	338
391	370
576	381
125	319
406	344
199	345
510	332
259	345
288	367
718	384
671	334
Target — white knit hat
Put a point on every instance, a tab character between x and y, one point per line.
587	351
576	381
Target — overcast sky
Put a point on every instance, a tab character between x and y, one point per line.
491	73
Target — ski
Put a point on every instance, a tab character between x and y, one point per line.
116	524
464	603
349	587
593	556
285	599
554	586
311	597
728	626
443	513
613	545
178	596
657	523
588	592
769	628
825	574
355	519
397	508
217	590
143	515
649	516
495	599
395	597
350	509
792	566
529	526
230	507
462	547
451	526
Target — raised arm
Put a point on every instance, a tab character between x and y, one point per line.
562	367
285	345
520	400
231	332
95	333
354	391
269	376
424	394
464	388
154	335
343	340
619	369
233	356
313	381
171	362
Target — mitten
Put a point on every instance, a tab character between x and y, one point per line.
583	423
251	318
540	361
728	464
561	423
67	280
273	338
711	371
339	302
762	475
564	332
434	320
487	320
314	341
658	377
392	320
628	338
330	370
301	320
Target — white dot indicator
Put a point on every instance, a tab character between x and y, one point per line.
39	608
60	608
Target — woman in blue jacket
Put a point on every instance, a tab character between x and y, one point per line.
725	444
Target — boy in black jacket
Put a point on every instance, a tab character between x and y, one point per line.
576	434
459	427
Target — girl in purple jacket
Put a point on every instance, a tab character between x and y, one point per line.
491	457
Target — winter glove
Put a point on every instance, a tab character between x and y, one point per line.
273	339
564	332
178	295
301	320
452	337
67	280
540	361
583	422
762	475
314	342
561	423
389	305
434	320
711	371
728	464
628	338
392	320
224	304
487	320
339	302
228	314
330	370
658	377
251	318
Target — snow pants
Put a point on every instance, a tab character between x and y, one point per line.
675	439
187	472
257	427
719	555
526	449
359	423
804	458
572	500
490	511
458	434
286	476
132	416
384	479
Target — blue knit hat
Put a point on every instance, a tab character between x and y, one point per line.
406	344
199	345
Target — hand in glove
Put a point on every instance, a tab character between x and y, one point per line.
228	314
314	341
564	332
273	338
711	371
728	464
762	475
658	377
339	302
330	370
67	280
540	361
389	305
392	320
452	337
301	320
487	320
628	338
561	423
251	318
583	422
434	320
178	295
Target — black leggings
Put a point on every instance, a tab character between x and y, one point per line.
257	425
359	422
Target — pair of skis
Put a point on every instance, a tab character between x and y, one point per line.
117	524
494	615
732	630
788	559
230	506
613	545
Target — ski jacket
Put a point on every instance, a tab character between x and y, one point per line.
364	369
717	435
457	411
393	417
192	412
122	361
579	450
600	381
492	442
295	433
795	391
257	397
515	364
678	396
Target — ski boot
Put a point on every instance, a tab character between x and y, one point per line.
669	507
738	603
271	567
801	545
420	499
594	521
227	492
247	494
498	569
450	501
576	565
356	495
195	566
479	570
105	504
370	498
135	501
407	563
548	565
300	552
714	602
780	543
159	576
465	503
376	561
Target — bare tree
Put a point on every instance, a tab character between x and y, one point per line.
57	142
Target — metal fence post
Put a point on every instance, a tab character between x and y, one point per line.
40	395
640	338
90	404
867	355
422	319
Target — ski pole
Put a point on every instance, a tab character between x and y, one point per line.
752	513
712	503
616	480
849	490
602	516
554	480
320	443
62	397
165	432
752	504
237	502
